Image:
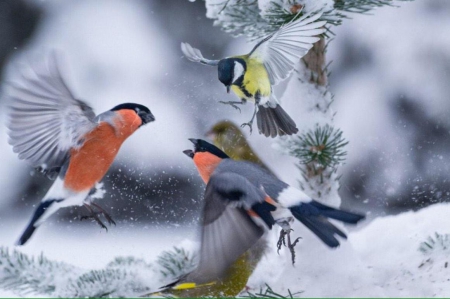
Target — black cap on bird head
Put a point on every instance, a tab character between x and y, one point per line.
226	70
143	112
201	145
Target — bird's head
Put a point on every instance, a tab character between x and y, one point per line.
143	112
231	70
206	157
227	136
203	148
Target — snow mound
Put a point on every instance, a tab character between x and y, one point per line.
406	255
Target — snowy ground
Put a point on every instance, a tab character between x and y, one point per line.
381	259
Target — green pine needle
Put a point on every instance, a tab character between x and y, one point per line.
176	262
268	292
436	242
323	146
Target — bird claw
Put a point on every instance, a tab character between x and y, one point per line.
290	245
249	125
94	215
232	104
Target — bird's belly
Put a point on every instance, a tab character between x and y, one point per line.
241	94
90	163
253	86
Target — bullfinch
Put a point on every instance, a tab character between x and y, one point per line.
60	135
242	201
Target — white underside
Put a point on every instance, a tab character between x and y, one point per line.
58	192
291	196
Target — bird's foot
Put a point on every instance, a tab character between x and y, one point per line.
94	215
232	104
105	214
290	245
249	124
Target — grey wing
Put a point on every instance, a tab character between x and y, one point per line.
45	120
195	55
228	231
283	49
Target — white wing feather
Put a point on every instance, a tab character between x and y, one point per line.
45	120
195	55
283	49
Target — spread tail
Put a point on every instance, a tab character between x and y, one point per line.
314	216
273	121
38	217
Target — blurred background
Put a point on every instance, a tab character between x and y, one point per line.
390	75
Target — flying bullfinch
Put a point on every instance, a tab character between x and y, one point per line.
61	135
242	201
272	60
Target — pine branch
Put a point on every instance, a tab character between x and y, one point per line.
436	242
322	147
176	263
244	17
123	277
268	292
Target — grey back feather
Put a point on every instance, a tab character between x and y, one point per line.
254	174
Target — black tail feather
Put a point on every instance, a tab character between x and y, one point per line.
32	225
275	121
314	216
26	234
340	215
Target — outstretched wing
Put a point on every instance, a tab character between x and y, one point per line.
228	231
45	120
195	55
280	51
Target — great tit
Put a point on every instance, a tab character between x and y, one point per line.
242	201
252	76
61	135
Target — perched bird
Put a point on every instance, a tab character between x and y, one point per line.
252	76
61	135
229	138
242	201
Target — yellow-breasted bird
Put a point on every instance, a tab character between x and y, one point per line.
252	76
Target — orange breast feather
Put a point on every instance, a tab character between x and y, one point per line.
206	164
90	163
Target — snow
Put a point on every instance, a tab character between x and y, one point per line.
381	259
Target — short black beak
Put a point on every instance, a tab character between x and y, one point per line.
228	88
146	117
189	153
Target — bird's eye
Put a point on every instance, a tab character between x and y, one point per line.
137	110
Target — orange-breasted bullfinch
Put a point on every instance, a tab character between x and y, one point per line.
272	60
240	196
61	135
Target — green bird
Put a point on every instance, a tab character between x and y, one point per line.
272	60
228	137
